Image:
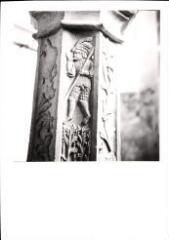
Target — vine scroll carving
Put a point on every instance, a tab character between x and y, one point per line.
42	149
107	129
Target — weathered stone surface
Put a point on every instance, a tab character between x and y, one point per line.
75	116
42	139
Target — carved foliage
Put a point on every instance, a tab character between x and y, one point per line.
43	149
76	141
107	100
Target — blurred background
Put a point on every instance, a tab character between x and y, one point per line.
137	72
138	79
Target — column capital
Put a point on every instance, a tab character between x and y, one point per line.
111	24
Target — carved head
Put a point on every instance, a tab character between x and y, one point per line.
82	49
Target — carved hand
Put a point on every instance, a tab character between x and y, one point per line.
70	65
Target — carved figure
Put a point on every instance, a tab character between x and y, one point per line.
80	68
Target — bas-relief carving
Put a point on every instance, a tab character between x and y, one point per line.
44	120
76	139
107	117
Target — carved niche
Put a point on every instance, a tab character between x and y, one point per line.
107	101
43	139
76	138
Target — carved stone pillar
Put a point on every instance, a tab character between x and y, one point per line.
75	97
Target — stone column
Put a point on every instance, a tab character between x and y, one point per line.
75	97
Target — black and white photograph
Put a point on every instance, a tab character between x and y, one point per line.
84	82
96	96
96	90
